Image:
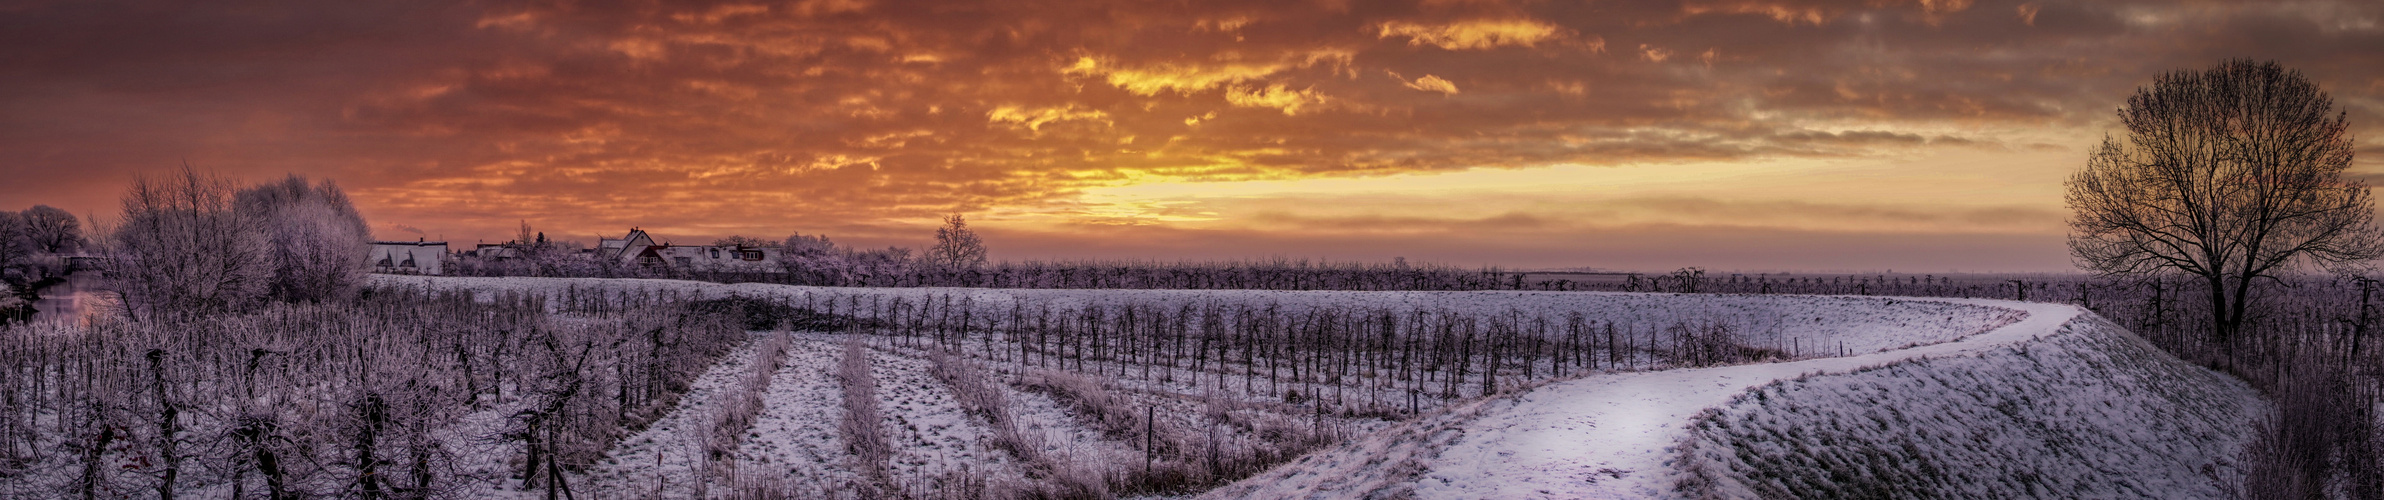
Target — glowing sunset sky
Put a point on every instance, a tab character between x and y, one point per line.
1739	135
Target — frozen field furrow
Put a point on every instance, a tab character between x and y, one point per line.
795	440
668	455
936	445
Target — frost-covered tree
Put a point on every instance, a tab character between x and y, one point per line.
319	244
879	267
51	230
798	244
12	308
812	259
188	250
745	241
956	246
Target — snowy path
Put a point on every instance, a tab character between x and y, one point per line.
1603	436
1565	432
795	437
936	444
676	440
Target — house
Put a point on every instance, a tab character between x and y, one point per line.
85	262
409	257
730	258
639	248
626	248
496	252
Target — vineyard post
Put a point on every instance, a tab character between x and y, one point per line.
1497	345
1613	356
167	426
1150	425
2367	288
1317	430
1464	358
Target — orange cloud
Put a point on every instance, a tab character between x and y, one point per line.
1033	119
1182	78
1477	34
1431	83
1275	96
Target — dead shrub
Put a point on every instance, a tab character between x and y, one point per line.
1714	344
2321	441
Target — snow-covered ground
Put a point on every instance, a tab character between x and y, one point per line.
795	438
676	442
936	444
1982	397
2060	403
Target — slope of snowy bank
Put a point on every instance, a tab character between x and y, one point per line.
2059	403
2089	412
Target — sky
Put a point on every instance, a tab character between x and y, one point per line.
1754	135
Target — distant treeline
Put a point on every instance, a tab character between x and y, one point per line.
882	269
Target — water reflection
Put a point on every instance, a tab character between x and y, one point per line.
76	300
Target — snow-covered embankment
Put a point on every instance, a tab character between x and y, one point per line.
2062	404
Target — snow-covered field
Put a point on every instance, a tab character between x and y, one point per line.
2060	404
1932	398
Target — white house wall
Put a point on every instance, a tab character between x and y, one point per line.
702	259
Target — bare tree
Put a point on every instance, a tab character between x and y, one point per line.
957	247
51	230
14	247
318	245
183	248
877	267
2228	175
